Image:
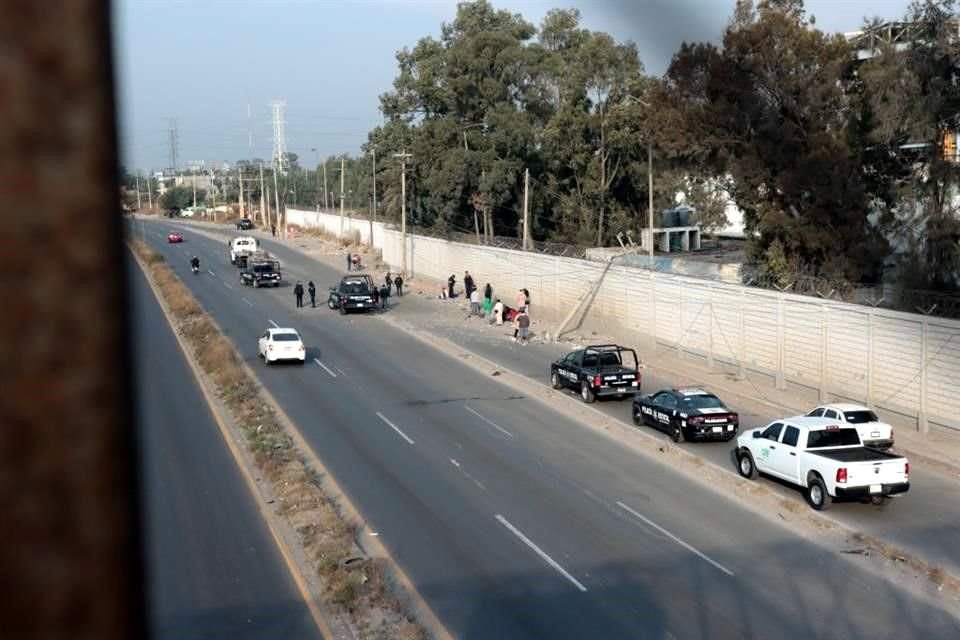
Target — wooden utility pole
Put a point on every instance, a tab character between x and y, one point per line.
374	189
138	192
403	155
264	202
149	194
193	182
240	198
276	200
326	204
526	209
342	163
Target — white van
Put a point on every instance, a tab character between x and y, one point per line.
242	245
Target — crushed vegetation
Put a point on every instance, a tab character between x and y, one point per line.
362	589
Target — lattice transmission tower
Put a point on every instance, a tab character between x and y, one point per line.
279	136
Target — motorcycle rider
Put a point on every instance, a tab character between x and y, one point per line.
195	264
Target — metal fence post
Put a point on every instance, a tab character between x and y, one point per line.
824	341
780	378
742	358
923	426
710	333
870	315
653	309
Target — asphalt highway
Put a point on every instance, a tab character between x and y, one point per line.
511	518
213	569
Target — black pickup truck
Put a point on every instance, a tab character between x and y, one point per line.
261	273
356	292
598	371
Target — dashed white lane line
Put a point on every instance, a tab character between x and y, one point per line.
455	463
325	368
247	301
394	427
339	370
489	422
211	272
683	544
540	552
227	285
275	325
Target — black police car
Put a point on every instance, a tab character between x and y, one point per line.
687	414
244	224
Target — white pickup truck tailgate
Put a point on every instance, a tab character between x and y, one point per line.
861	474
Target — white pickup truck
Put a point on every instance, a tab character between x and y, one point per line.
825	458
242	246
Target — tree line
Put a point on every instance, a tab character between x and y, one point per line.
836	159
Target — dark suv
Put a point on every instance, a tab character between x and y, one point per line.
353	292
244	224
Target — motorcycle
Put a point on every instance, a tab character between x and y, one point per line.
195	267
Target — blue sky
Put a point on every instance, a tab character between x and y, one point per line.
205	61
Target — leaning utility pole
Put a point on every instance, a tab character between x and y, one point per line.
138	192
342	162
526	209
403	155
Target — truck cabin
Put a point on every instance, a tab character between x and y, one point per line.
609	357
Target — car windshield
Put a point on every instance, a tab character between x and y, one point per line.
860	417
285	337
705	401
263	267
832	438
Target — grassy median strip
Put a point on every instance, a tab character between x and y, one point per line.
362	590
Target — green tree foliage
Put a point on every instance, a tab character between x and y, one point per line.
180	197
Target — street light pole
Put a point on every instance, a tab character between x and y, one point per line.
403	205
650	194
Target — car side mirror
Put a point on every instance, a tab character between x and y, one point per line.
757	434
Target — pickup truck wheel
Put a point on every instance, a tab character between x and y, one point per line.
555	380
637	416
330	304
586	392
817	495
746	466
256	284
879	501
678	435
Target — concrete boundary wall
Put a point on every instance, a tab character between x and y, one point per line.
900	362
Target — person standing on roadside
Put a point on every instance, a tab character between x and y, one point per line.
349	262
298	292
488	292
452	280
526	301
468	285
523	326
312	290
273	230
521	301
474	303
384	293
398	283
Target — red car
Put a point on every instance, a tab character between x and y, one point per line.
175	237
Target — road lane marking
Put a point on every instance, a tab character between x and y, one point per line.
394	427
275	325
325	368
227	285
540	552
455	463
247	301
339	370
683	544
489	422
211	272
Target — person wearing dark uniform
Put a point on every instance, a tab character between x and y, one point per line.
298	292
398	283
312	290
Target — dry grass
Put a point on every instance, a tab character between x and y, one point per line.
364	592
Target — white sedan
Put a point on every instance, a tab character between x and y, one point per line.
281	344
873	433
